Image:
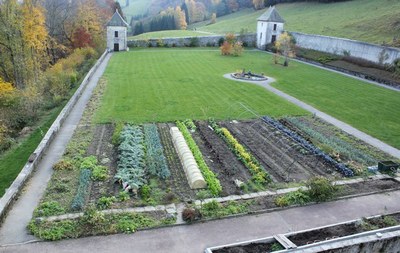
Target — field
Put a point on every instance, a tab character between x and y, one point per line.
366	20
169	91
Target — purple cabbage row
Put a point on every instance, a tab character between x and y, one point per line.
294	136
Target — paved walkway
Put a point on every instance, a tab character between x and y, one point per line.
340	124
195	238
13	229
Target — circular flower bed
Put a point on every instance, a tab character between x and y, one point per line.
249	76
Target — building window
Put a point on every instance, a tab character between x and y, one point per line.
116	34
274	27
260	36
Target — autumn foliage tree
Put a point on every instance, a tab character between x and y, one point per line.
258	4
286	46
231	46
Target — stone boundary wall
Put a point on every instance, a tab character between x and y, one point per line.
203	41
340	46
13	191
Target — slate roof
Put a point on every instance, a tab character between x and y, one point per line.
117	20
271	15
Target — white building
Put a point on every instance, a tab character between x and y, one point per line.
269	27
117	33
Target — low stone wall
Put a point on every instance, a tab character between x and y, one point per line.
202	41
340	46
13	191
380	240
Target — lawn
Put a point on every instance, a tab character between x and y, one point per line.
13	160
169	34
169	84
166	85
366	20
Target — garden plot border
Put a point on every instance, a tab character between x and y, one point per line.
177	208
14	190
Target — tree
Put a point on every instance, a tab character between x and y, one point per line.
286	46
180	19
258	4
213	18
233	6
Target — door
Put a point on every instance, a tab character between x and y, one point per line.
273	38
116	47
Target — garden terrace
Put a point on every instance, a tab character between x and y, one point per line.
182	88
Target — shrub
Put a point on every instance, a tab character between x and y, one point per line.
92	217
123	196
221	41
100	173
63	165
48	208
145	191
190	214
89	163
54	230
105	202
320	189
194	42
299	197
226	48
84	181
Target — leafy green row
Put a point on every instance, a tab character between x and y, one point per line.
259	174
83	189
337	144
131	157
155	159
212	181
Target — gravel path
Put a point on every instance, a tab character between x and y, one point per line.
13	229
340	124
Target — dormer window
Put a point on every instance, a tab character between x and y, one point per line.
116	34
274	27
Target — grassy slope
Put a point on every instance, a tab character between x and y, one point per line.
165	85
169	34
13	160
367	20
136	7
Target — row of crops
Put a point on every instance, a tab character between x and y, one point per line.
140	154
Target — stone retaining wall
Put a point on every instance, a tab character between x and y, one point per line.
341	46
203	41
13	191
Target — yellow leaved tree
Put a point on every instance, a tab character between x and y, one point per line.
286	46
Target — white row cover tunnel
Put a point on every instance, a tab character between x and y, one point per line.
192	171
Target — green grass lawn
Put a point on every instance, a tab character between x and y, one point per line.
14	160
167	85
169	34
366	20
170	84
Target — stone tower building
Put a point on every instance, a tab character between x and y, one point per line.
269	27
117	33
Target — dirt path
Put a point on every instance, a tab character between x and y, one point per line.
14	229
340	124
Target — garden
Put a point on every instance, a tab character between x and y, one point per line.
168	152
